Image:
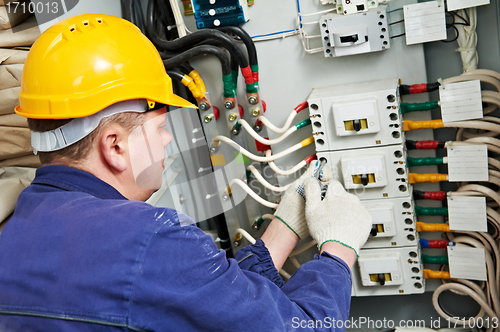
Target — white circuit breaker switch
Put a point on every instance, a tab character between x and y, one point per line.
356	117
355	34
382	219
424	22
381	270
348	7
366	171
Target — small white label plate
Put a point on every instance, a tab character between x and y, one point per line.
467	213
467	263
467	162
460	4
461	101
424	22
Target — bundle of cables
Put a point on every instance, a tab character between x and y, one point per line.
163	25
478	131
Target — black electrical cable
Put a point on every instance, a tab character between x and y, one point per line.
246	39
186	68
418	194
126	14
191	39
200	50
138	15
176	74
456	36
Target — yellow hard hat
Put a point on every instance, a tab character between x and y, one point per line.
88	62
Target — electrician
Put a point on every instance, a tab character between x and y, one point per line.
83	252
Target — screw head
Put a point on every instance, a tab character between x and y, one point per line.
237	243
225	197
257	128
182	199
213	150
256	111
203	106
252	100
229	104
235	132
232	117
208	118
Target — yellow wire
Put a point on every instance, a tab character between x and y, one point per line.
197	79
413	125
437	227
431	274
433	177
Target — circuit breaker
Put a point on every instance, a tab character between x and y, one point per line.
356	115
364	32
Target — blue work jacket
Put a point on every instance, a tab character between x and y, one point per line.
78	256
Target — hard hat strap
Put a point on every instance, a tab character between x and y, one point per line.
78	128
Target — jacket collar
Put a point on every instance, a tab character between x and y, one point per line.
72	179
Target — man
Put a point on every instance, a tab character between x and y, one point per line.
83	252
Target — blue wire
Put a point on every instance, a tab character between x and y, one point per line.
284	31
274	33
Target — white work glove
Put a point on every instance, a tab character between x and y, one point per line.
339	217
291	208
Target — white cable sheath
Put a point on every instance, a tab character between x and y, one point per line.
279	171
261	139
275	129
264	182
252	193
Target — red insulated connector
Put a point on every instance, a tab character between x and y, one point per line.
264	106
255	76
262	147
302	106
435	195
247	74
438	243
427	145
310	158
240	109
216	112
418	88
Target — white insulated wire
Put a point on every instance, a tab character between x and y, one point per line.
264	182
252	156
279	171
261	139
275	129
245	187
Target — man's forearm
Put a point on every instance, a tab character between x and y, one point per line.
344	253
280	241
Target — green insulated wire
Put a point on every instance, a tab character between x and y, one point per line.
426	259
253	88
302	124
423	161
431	211
229	89
415	107
259	221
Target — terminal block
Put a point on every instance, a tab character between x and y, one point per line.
217	13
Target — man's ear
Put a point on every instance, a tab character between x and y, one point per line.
113	146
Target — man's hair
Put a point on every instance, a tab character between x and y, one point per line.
78	151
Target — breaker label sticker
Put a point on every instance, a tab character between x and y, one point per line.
467	263
424	22
461	101
467	213
467	162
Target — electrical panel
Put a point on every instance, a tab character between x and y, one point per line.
354	34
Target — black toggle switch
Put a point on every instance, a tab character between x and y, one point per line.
364	179
349	39
356	125
381	279
374	230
